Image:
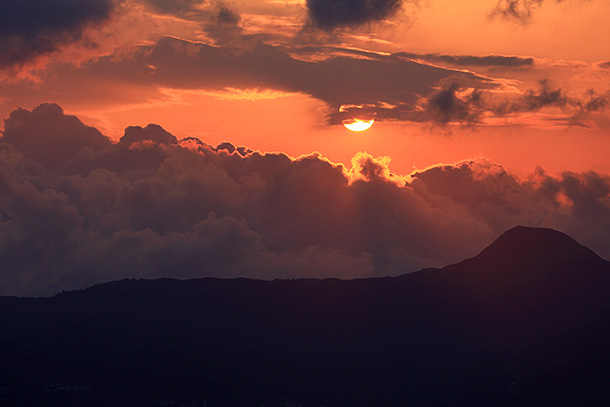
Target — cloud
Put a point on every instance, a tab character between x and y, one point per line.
219	20
519	11
226	15
389	87
48	136
352	84
547	96
151	206
595	102
516	10
152	133
456	103
29	29
332	80
491	194
473	60
223	25
444	106
391	84
331	14
174	7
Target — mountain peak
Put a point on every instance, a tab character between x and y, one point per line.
533	247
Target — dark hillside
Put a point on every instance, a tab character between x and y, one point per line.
526	322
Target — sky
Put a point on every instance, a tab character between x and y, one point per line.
194	138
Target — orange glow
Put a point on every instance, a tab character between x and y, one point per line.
358	125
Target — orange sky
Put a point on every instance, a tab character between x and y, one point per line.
296	129
488	114
565	41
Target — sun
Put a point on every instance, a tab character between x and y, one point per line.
358	125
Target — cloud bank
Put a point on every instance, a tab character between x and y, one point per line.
150	205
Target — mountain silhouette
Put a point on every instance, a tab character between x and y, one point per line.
535	248
529	268
525	322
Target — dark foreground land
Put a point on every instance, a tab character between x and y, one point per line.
526	322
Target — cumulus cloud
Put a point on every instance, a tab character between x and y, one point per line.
29	29
49	137
153	133
330	14
151	206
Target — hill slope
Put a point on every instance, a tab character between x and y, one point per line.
524	322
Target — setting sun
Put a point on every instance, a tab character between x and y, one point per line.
358	125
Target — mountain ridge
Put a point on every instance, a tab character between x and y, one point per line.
518	239
464	334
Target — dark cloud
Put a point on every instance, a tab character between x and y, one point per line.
31	28
459	104
151	206
153	133
446	106
379	80
449	103
223	25
520	11
48	136
333	80
175	7
516	10
226	15
219	20
595	102
331	14
386	87
547	95
472	60
389	87
498	198
604	65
